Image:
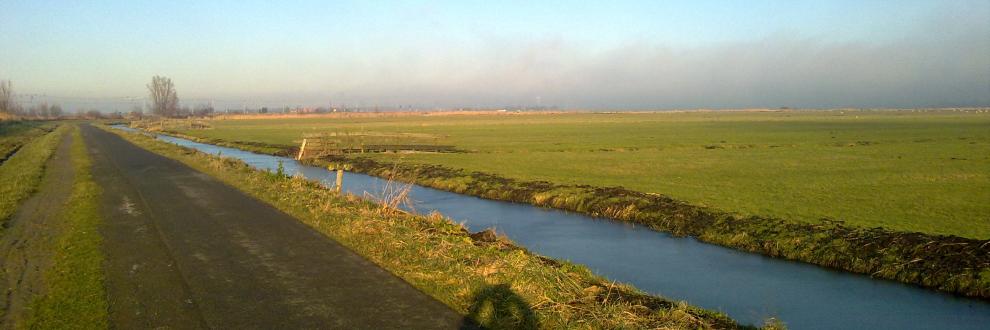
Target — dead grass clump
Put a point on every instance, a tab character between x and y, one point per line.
393	196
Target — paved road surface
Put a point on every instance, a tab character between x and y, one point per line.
186	251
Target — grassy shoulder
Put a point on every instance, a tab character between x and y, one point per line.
22	172
495	283
75	297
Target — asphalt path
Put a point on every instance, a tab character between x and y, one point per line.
183	250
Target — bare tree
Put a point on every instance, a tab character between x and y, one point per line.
34	110
55	110
93	114
40	110
164	100
203	110
6	97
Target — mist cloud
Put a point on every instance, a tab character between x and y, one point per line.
946	62
942	60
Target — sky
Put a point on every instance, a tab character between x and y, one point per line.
570	54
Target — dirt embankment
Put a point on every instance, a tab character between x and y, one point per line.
26	246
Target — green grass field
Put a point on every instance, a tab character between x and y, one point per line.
902	170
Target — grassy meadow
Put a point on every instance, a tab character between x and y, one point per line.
902	170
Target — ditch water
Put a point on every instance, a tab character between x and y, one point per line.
748	287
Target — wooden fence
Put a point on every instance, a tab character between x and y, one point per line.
335	143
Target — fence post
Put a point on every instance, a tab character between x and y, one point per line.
340	179
301	150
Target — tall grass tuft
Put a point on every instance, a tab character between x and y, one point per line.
393	197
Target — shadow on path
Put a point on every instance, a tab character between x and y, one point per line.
498	307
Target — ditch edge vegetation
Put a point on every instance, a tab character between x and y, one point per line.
946	263
489	279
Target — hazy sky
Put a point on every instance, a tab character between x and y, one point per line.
608	54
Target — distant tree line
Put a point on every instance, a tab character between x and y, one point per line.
9	105
163	102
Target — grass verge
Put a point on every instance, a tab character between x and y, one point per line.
22	172
495	283
75	297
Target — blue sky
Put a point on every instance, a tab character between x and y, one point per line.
608	54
